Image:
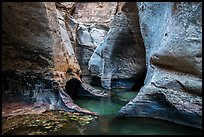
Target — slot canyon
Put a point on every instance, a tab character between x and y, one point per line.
70	67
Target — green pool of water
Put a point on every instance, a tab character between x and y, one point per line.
101	106
109	124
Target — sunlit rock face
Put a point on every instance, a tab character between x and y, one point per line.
122	54
89	37
89	23
172	34
36	55
94	12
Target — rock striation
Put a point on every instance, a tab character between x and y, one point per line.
122	54
172	34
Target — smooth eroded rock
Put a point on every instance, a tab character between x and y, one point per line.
36	55
172	34
122	54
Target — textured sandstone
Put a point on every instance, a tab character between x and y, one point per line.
40	43
172	34
36	55
94	12
89	37
122	54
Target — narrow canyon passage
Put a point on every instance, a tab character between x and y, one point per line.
69	67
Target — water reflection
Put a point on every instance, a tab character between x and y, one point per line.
104	125
108	124
111	125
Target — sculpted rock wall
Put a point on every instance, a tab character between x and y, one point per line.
89	22
88	39
122	54
36	30
37	52
36	55
172	34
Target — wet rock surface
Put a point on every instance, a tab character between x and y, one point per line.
35	93
76	89
171	105
47	123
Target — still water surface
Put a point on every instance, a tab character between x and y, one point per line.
109	124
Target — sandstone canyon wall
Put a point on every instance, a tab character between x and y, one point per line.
36	53
172	34
149	46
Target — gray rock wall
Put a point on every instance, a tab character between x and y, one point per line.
89	37
172	34
89	22
122	54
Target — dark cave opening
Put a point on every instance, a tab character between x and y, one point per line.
72	87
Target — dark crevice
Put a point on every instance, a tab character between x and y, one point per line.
72	87
139	82
95	81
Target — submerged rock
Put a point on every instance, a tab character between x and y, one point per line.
47	123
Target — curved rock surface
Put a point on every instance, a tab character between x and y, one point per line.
122	54
37	52
36	55
172	34
89	37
